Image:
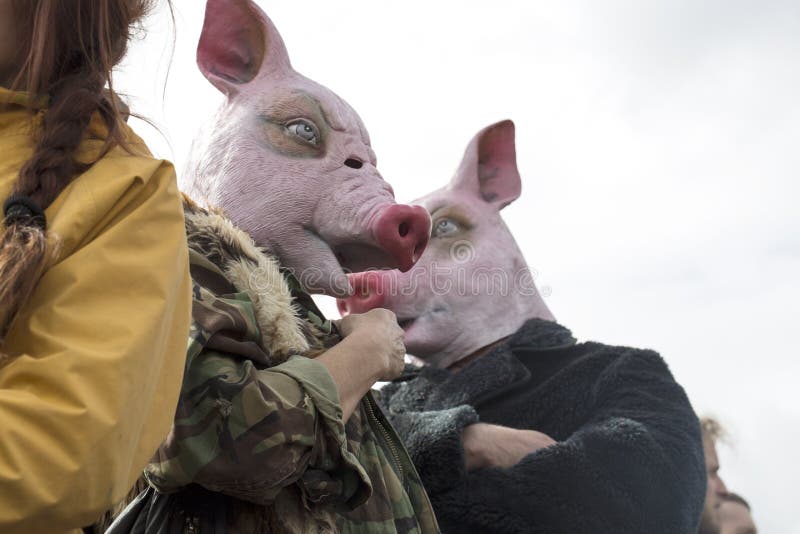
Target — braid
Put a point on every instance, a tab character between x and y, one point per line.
68	51
53	165
24	252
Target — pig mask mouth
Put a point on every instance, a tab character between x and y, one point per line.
398	235
358	257
423	332
406	322
394	238
428	321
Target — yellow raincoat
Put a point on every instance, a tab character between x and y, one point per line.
98	351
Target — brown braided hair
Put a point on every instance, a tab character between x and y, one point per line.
68	51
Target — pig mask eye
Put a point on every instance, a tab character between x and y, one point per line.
305	130
445	228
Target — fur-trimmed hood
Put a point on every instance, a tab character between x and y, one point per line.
254	271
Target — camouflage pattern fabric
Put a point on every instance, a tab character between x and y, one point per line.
266	432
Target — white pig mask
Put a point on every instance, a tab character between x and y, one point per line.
472	286
291	163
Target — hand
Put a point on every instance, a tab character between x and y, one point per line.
488	445
377	335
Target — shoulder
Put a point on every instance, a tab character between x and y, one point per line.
132	200
605	372
122	176
622	360
627	378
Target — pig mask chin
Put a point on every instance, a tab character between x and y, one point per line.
290	162
472	286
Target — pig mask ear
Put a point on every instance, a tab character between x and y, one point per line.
238	42
489	167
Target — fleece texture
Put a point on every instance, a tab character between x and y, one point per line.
629	457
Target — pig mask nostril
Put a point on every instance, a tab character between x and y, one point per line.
353	163
400	230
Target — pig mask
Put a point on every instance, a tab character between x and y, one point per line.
472	286
290	162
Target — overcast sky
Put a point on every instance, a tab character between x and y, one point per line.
658	145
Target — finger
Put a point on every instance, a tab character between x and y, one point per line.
387	315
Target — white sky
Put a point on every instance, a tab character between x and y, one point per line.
658	144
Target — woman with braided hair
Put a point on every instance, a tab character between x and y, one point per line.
94	283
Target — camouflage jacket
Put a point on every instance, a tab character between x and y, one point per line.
259	420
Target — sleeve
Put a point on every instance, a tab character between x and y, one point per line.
433	440
249	433
636	466
97	359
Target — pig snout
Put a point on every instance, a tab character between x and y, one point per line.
403	231
369	292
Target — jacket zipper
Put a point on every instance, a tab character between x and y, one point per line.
386	435
371	407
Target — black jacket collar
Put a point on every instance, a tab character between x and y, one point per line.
496	372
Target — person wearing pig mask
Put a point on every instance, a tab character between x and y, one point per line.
275	428
513	425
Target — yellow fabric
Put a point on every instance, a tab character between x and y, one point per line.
98	351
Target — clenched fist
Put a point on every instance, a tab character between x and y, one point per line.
377	335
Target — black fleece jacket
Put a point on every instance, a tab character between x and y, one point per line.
629	457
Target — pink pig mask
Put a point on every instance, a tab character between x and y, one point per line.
472	286
290	162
